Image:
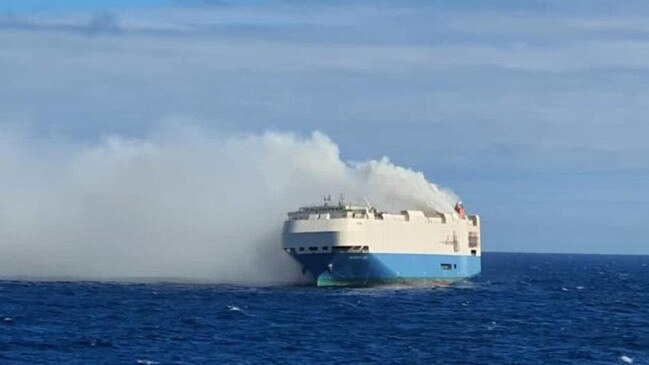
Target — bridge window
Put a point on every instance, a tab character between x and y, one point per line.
301	249
313	248
446	266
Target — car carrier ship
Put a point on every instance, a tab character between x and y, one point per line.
355	245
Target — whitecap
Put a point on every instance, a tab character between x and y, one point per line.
146	362
350	305
626	359
8	319
234	308
564	289
580	288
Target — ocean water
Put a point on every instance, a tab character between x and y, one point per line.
523	309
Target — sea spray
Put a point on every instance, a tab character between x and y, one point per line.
180	205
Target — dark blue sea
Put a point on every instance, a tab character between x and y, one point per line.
523	309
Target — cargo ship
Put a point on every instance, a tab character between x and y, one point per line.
342	244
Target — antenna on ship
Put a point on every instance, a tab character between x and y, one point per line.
367	202
327	199
341	202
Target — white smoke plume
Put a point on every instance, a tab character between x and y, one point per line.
178	206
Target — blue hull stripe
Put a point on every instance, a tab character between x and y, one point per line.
366	268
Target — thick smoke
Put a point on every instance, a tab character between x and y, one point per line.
178	206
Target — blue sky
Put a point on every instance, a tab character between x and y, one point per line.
535	113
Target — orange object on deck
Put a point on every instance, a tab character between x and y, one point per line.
459	208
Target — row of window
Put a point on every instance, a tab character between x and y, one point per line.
362	249
314	249
334	249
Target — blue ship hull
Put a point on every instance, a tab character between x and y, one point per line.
363	269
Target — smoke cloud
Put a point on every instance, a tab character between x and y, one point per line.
179	205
